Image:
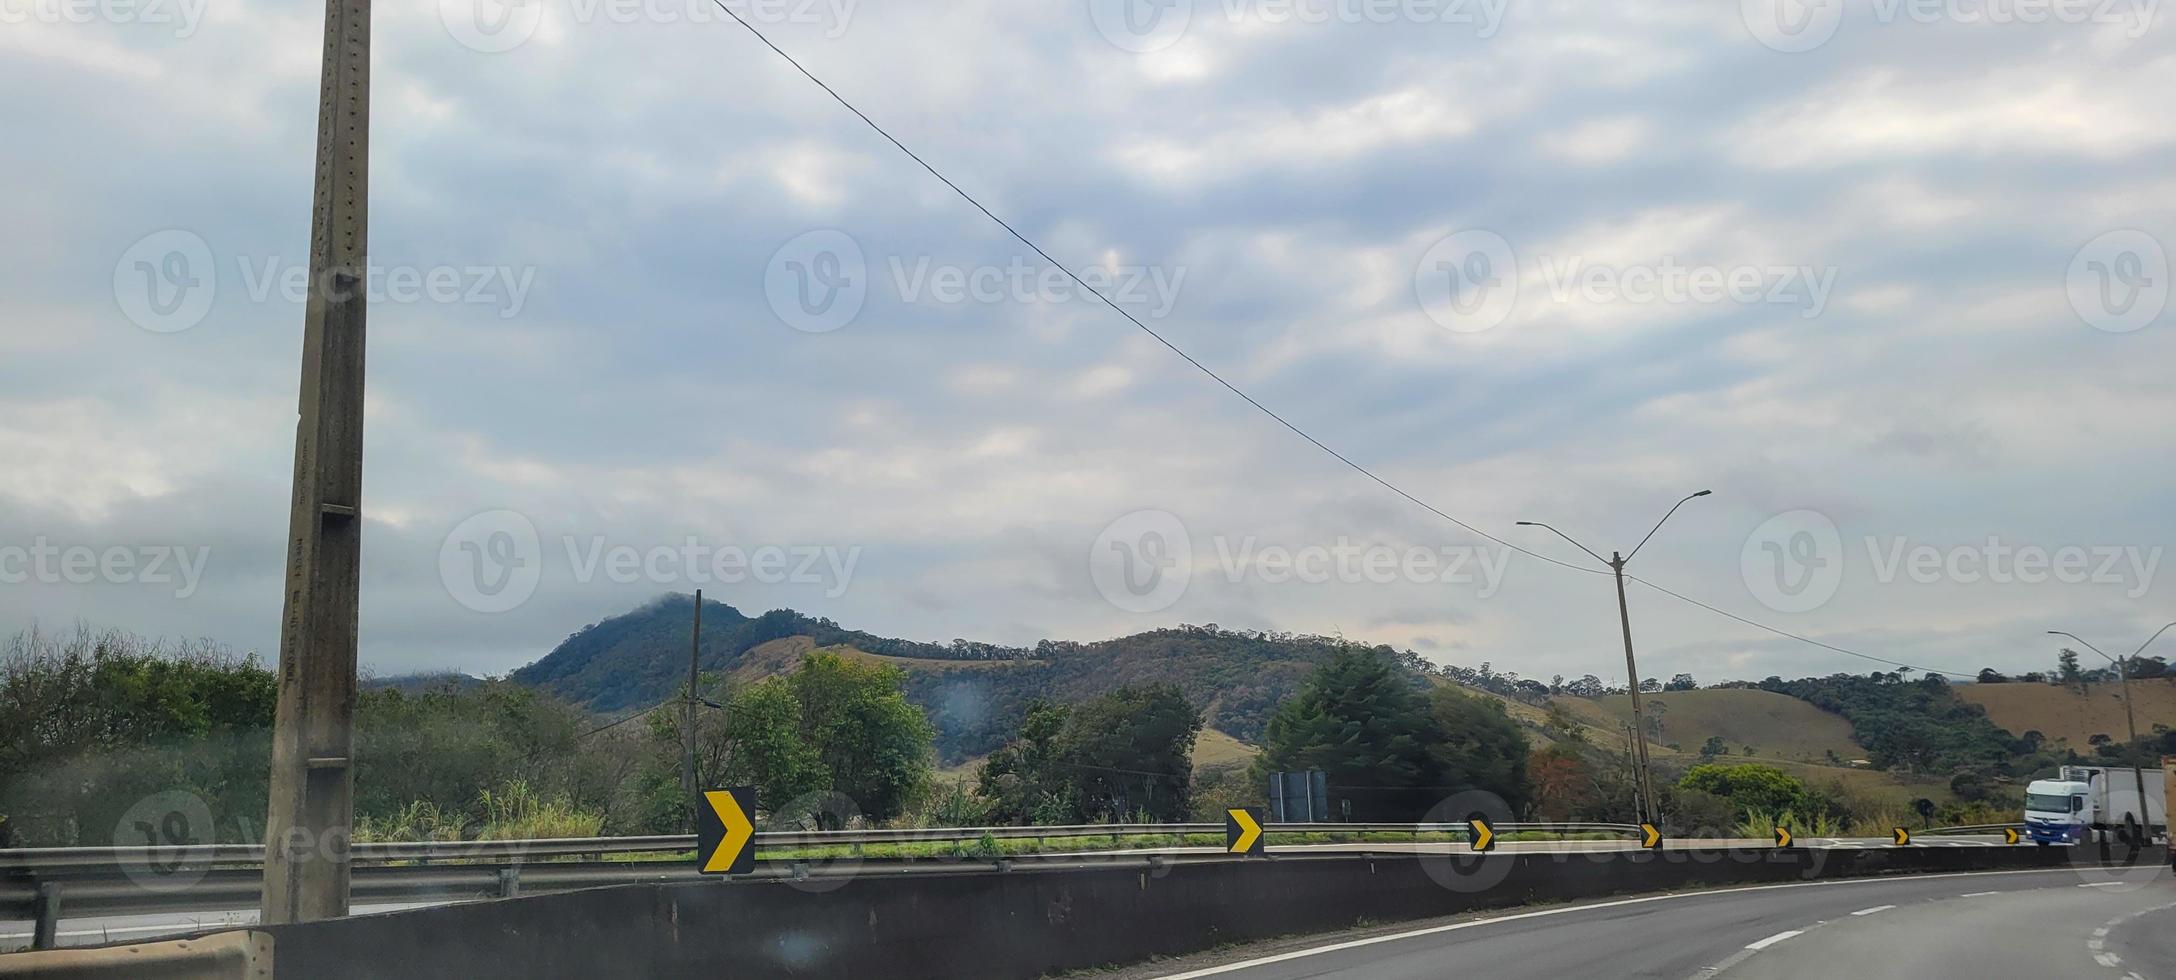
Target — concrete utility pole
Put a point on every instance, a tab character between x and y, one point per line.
687	758
313	742
1649	806
2130	718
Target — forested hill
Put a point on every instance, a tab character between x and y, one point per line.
974	692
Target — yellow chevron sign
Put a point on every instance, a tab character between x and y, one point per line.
2009	835
1650	836
724	835
1243	831
1484	836
1783	837
1901	835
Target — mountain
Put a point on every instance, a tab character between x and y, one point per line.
974	692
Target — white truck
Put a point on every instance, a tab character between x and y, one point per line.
2082	799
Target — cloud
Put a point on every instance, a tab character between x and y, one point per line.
1285	179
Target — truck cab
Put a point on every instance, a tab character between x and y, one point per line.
2058	811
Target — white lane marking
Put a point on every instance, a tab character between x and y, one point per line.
1977	894
2098	944
2101	884
1772	940
1456	926
1871	911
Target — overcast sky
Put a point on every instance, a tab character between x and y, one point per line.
653	313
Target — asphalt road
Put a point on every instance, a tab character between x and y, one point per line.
2031	924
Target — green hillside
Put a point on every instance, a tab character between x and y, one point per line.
1777	726
974	693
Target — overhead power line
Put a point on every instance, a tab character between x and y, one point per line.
1218	378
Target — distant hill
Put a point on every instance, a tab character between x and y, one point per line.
975	693
1777	726
2061	713
420	682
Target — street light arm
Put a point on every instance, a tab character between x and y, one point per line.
2149	640
2103	654
1566	537
1665	517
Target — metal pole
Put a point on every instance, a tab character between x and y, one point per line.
45	916
1651	810
2130	721
312	792
687	758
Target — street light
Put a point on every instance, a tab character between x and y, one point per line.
1645	784
2130	717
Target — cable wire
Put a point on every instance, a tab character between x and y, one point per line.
1234	389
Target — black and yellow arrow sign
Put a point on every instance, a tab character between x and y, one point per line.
1901	836
1484	836
724	834
1650	836
2009	835
1243	830
1783	837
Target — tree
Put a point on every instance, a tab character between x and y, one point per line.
2066	669
1713	747
1025	777
1681	682
1560	779
1480	747
1121	756
873	742
1989	675
1367	728
1749	787
1131	753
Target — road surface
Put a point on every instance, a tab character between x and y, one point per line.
2021	924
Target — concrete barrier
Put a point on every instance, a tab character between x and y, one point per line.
220	956
1029	923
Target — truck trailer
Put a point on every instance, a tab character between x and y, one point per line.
2085	799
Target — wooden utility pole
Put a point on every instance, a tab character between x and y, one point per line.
687	758
313	740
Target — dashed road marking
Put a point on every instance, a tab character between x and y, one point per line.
1772	940
1977	894
1871	911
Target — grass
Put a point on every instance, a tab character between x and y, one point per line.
1777	726
2061	713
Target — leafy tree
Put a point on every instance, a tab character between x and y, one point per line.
2066	669
1713	747
1989	675
873	743
1682	682
1480	747
1364	725
1750	786
1122	756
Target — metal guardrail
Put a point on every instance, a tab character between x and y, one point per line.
518	851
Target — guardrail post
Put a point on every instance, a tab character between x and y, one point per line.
45	908
509	882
